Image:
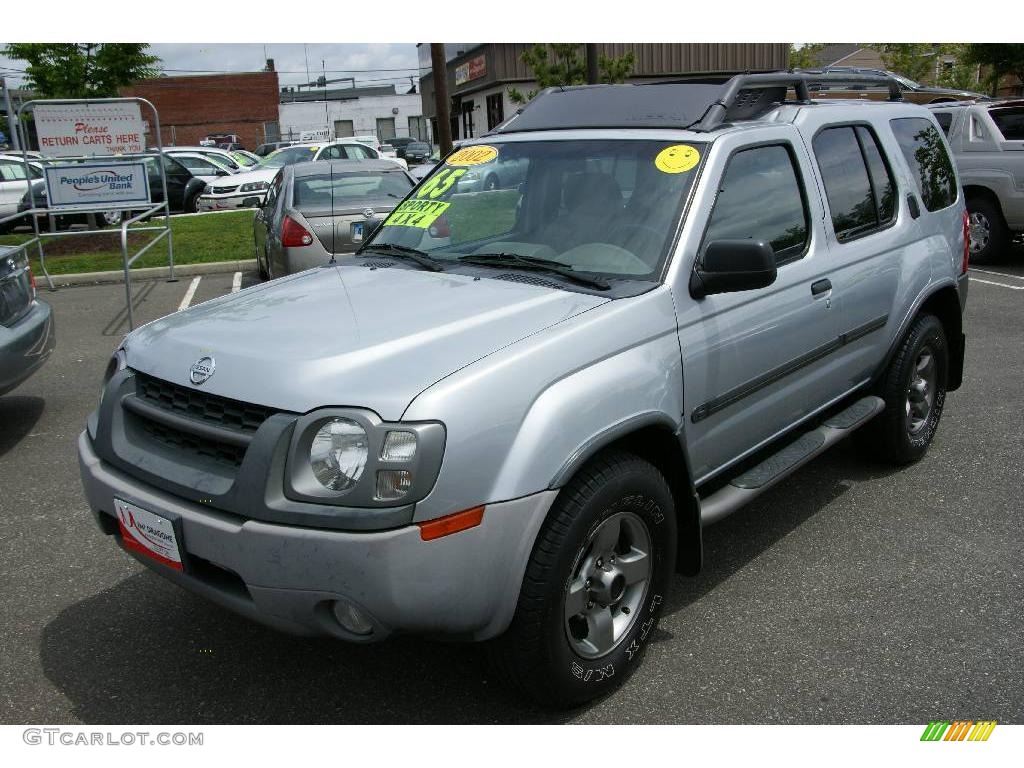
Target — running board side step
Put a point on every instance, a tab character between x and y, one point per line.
755	481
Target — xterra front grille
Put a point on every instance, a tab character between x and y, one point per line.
221	411
180	440
233	422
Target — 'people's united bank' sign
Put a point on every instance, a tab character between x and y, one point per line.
114	183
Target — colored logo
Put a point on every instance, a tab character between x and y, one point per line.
202	369
958	730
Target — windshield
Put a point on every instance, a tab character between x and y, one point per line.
906	82
288	156
602	206
243	159
325	190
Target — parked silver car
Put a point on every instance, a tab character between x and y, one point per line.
515	426
26	323
987	140
318	209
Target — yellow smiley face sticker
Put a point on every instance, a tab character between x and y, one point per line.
677	158
477	155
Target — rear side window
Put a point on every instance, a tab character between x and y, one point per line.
1009	121
928	160
760	198
858	182
945	121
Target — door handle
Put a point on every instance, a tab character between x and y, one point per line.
915	209
821	286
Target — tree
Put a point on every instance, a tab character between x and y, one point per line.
564	64
83	70
913	60
1000	58
806	56
962	73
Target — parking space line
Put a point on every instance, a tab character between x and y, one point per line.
1001	285
236	283
1000	274
189	293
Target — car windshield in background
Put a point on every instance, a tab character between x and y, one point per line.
243	159
288	156
1009	121
327	190
417	146
607	207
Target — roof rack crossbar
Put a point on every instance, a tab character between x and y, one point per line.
798	81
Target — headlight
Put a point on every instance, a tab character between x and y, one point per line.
118	362
254	186
350	457
338	454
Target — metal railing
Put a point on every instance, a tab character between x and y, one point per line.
51	213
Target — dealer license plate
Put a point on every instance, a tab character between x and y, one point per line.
149	534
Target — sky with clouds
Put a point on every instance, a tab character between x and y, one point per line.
368	63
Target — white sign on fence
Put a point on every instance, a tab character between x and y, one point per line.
94	184
84	129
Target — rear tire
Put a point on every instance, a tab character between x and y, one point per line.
261	268
990	237
914	390
613	527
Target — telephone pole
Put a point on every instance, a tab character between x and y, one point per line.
591	49
439	67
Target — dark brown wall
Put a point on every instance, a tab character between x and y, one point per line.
653	60
201	105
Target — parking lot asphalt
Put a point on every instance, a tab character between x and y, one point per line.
851	593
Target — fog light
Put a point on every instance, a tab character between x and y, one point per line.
352	619
393	484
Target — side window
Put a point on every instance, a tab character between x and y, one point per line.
760	198
358	152
331	153
1009	121
928	160
858	184
945	121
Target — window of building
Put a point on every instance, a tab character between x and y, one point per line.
761	198
929	162
467	120
385	128
858	182
495	110
343	129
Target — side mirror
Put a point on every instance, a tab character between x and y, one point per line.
733	265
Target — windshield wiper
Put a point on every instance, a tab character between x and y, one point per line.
404	251
532	262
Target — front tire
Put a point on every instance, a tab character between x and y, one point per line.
914	390
594	586
192	204
990	237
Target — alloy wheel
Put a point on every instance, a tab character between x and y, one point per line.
608	585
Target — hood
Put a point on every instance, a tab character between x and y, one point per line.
245	177
347	335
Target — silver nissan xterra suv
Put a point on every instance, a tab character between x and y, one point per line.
510	414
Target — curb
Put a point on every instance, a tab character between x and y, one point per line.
151	273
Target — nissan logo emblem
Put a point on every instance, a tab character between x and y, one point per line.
368	212
202	369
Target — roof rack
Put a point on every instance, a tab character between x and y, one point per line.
798	81
700	103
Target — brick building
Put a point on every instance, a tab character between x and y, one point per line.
195	106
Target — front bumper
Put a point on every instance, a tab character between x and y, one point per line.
230	202
462	586
26	345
